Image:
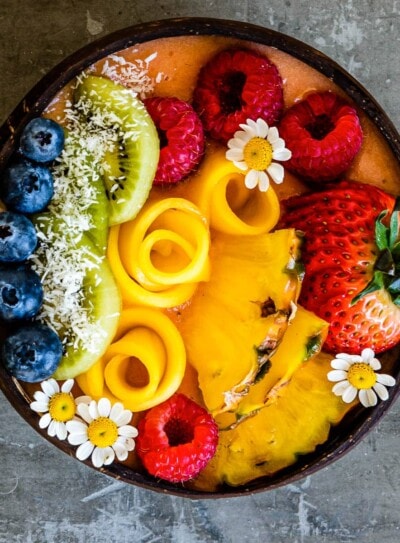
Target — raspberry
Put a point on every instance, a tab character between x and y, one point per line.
176	439
236	85
324	134
181	138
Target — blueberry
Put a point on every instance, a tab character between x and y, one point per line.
32	353
26	187
18	237
42	140
21	293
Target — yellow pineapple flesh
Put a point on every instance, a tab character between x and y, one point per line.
304	338
245	308
293	425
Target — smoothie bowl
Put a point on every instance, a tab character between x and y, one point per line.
200	252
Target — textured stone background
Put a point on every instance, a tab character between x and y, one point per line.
47	497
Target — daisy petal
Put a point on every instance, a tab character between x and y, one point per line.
263	181
367	355
39	407
375	364
368	397
116	410
251	179
52	429
240	165
386	380
337	375
104	407
381	390
84	451
50	387
83	399
77	439
83	410
276	171
262	129
339	388
340	364
93	409
349	394
61	431
108	456
281	154
67	385
234	154
123	418
236	144
273	136
350	357
76	427
40	396
45	421
127	431
120	451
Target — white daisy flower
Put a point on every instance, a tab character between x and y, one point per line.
356	375
56	405
104	433
253	149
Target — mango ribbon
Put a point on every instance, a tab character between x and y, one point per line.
147	336
230	207
159	258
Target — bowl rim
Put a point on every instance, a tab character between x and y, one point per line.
34	102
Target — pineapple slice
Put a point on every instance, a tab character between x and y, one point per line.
273	439
303	339
245	308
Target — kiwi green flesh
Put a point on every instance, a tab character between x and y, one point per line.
103	301
139	148
99	212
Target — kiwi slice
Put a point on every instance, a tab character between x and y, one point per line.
81	299
79	195
130	165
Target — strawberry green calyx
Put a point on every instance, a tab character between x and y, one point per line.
387	265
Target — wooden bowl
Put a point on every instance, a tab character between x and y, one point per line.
359	421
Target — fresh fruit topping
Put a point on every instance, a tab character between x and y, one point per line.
355	375
81	300
248	300
220	192
21	293
324	134
176	439
32	353
17	237
79	193
181	138
159	258
351	257
144	365
236	85
130	161
253	150
26	187
42	140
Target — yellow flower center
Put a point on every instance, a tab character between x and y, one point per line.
62	407
102	432
257	154
361	375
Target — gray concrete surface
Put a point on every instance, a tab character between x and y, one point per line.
47	497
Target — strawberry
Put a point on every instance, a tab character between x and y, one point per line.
176	439
181	138
351	255
324	135
236	85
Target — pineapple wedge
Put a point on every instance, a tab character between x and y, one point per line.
303	339
273	439
245	306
